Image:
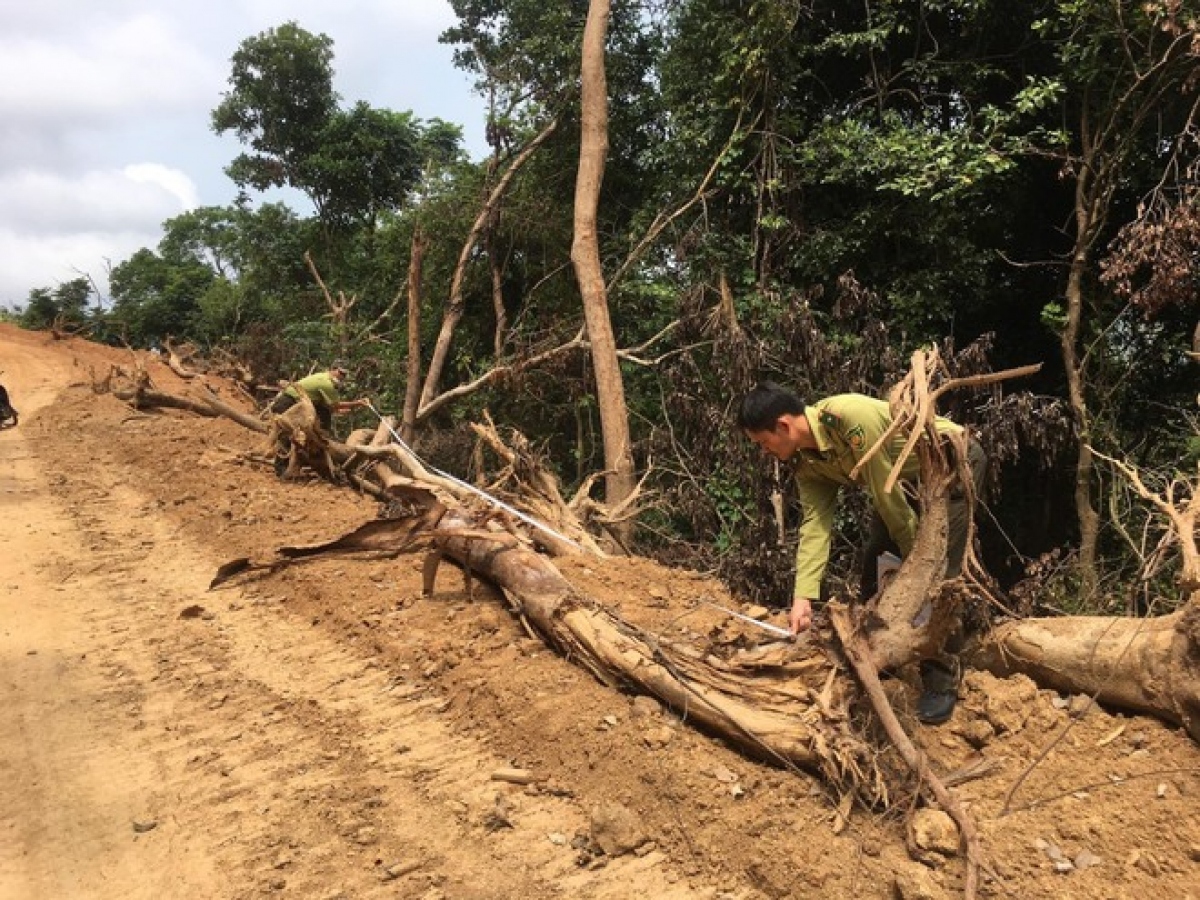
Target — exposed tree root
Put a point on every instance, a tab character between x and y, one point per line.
858	651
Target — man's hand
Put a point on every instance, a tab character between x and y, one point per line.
800	617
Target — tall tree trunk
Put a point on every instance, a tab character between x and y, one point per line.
497	293
412	389
1086	189
585	255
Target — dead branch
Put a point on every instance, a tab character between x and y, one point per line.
412	389
537	487
431	406
339	307
456	304
1181	515
664	218
930	362
177	357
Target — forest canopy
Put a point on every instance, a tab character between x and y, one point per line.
796	192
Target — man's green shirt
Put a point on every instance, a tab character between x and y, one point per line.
319	387
845	427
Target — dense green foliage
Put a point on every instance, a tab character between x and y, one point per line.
800	191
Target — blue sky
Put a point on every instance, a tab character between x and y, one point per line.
106	107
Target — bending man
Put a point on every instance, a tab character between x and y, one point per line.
824	442
322	389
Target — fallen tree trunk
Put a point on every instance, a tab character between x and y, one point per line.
1144	665
785	703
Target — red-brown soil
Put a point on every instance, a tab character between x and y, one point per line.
328	732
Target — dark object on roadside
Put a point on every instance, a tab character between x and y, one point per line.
6	410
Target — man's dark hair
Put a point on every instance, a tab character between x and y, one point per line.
764	404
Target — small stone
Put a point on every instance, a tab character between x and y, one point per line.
513	776
917	883
1080	705
1194	853
644	707
399	870
1140	859
142	825
1006	703
977	732
657	738
616	829
611	721
934	831
557	838
1085	859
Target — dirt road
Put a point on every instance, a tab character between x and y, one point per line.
161	742
329	731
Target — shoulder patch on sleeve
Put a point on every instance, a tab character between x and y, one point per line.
856	438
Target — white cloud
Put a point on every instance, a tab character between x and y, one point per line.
170	180
136	198
134	68
106	108
39	261
55	229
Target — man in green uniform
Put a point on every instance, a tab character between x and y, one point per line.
824	441
322	389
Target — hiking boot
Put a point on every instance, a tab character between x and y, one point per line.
939	691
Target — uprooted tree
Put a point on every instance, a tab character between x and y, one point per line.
798	704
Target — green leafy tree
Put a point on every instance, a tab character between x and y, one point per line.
155	296
352	164
280	100
64	305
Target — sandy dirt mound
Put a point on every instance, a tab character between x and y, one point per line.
327	731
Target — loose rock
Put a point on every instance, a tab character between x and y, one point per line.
917	883
644	707
934	831
616	829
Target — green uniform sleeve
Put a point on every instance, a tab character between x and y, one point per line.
818	498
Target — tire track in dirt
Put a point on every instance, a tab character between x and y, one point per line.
235	749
